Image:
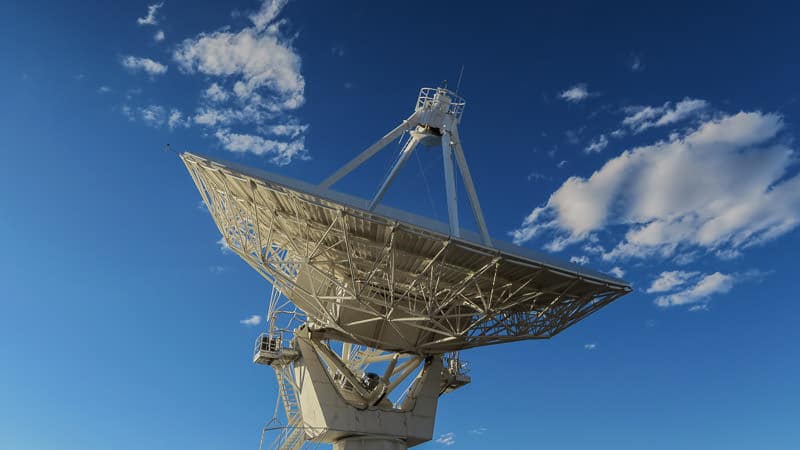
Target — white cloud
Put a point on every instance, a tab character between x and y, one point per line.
590	347
636	63
176	119
700	307
479	430
264	61
130	93
447	439
581	260
728	254
150	18
127	111
104	89
223	245
686	258
216	269
136	64
251	321
574	136
282	152
287	130
259	84
597	145
642	118
670	280
724	185
159	36
215	93
561	164
617	272
708	285
576	93
153	115
267	13
618	133
537	176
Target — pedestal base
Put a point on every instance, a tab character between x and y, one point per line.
331	418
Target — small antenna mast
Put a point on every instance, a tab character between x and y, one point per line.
461	74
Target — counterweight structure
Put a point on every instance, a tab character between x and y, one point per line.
385	290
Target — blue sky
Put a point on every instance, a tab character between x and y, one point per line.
655	141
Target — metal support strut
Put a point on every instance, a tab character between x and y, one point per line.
434	122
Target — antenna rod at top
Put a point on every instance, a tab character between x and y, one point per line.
461	74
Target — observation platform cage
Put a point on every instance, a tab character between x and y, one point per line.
435	98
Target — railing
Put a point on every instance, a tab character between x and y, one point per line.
440	98
268	342
455	364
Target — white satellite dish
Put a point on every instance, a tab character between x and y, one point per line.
380	287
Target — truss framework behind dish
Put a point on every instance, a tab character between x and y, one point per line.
370	280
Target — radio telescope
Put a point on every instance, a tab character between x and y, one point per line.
370	301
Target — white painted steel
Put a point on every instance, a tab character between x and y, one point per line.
408	149
470	187
434	122
366	278
394	288
450	185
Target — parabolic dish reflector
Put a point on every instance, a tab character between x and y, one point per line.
389	279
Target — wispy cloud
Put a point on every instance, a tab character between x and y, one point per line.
670	280
597	145
479	430
176	120
580	260
223	245
617	272
537	176
641	118
153	115
251	321
216	93
447	439
147	65
103	89
575	94
150	18
636	63
590	347
283	152
159	36
706	286
702	288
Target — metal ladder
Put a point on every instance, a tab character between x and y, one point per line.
295	435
